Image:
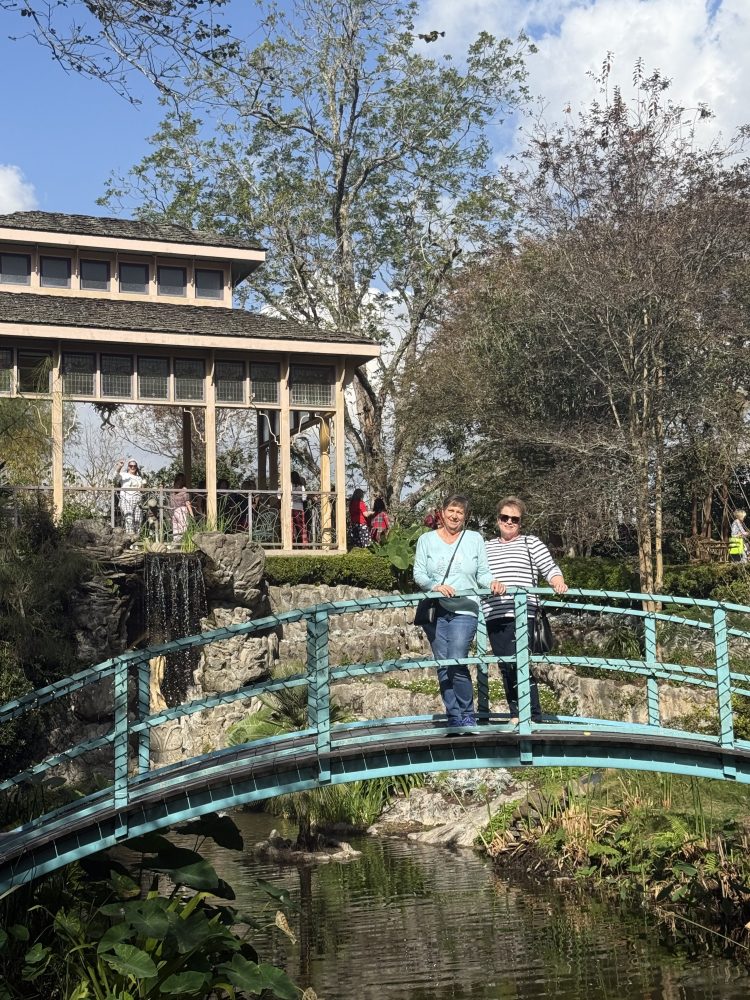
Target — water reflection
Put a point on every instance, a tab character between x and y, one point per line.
410	922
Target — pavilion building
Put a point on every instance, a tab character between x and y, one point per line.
115	311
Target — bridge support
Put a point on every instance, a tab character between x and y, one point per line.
319	690
120	744
144	710
483	676
724	687
652	685
523	674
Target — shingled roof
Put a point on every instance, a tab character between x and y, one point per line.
124	229
158	317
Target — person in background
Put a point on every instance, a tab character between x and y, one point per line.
299	501
358	514
518	560
131	483
379	523
433	519
738	535
180	507
450	559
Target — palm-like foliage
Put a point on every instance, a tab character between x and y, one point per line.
282	712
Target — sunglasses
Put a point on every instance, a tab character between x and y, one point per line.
509	518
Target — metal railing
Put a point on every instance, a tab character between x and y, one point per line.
564	739
150	512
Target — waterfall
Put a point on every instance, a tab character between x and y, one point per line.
175	604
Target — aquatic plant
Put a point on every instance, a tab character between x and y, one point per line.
97	935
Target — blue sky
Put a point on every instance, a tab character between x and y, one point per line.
62	135
65	133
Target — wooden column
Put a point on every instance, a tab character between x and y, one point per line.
340	443
285	456
211	505
57	435
187	446
326	507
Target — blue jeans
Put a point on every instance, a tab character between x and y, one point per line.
450	637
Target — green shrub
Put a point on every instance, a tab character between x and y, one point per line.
735	590
703	580
596	573
14	736
355	569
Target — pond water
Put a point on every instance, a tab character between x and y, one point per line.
412	922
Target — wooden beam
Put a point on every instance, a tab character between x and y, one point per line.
212	509
326	507
285	455
105	337
339	437
57	435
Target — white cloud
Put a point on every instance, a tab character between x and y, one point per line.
701	45
16	193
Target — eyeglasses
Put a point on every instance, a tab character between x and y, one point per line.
509	518
132	465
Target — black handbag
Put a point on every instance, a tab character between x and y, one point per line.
543	638
427	609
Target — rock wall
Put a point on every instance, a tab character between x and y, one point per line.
108	617
353	638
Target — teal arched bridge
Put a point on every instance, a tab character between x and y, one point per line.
141	798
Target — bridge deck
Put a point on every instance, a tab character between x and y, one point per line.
250	774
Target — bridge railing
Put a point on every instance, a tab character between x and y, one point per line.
130	677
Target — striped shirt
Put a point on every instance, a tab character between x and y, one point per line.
510	563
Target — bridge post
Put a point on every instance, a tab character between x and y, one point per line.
144	710
723	680
523	673
652	685
120	743
319	690
483	677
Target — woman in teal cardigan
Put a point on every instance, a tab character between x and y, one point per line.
450	559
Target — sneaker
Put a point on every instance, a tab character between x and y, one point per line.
469	721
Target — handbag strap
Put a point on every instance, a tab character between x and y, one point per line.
453	556
531	561
534	575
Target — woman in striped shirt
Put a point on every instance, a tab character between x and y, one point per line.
518	560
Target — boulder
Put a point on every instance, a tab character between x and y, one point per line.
101	542
233	570
233	663
99	615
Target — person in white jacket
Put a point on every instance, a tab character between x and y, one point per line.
131	483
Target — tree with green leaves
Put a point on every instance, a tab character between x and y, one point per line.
111	40
364	166
609	335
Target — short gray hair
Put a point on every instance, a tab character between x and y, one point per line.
512	501
457	500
